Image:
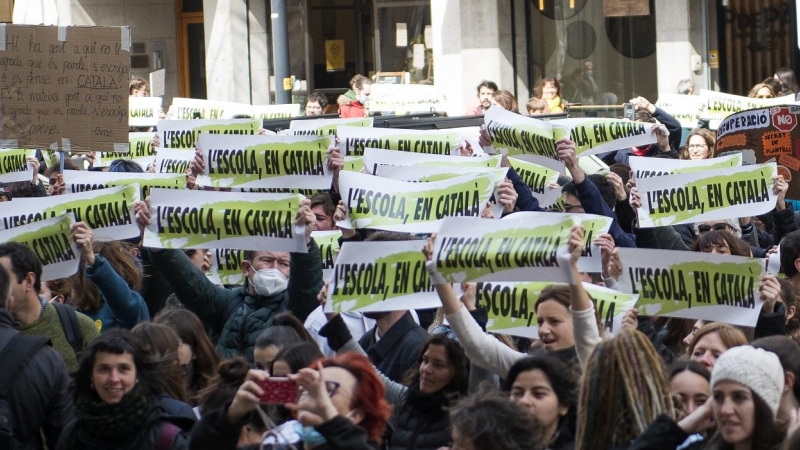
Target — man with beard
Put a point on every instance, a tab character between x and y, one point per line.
485	91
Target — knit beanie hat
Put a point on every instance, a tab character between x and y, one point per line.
755	368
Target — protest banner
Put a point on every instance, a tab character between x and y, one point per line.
353	140
426	174
353	163
685	109
511	306
14	165
708	195
771	134
193	108
400	99
226	266
65	87
380	276
143	111
374	202
139	150
266	161
720	105
373	157
184	133
539	176
328	243
51	158
326	127
261	112
593	226
108	212
51	240
263	222
173	160
82	181
524	246
514	134
693	285
643	167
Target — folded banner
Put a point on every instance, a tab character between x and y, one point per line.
143	111
108	212
708	195
644	167
693	285
686	109
14	165
721	105
266	161
140	150
263	222
173	160
184	133
522	247
380	276
540	177
82	181
427	174
374	202
771	134
326	127
328	243
353	140
226	266
51	240
514	134
193	108
511	306
375	156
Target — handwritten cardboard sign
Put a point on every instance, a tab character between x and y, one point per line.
65	87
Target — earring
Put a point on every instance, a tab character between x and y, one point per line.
91	386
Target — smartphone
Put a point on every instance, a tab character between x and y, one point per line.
279	390
629	111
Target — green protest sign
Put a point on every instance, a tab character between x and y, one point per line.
184	133
82	181
51	241
693	285
248	221
14	165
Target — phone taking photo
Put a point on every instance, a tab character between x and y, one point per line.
279	391
629	111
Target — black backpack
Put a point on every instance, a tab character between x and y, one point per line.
14	357
72	329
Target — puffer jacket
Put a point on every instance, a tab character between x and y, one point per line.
237	334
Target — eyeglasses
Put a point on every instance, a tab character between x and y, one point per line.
705	228
697	146
445	330
331	386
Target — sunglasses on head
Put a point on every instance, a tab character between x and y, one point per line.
704	228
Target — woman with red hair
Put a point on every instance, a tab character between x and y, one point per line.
341	407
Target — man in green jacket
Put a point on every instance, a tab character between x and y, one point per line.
275	282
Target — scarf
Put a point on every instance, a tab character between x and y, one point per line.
119	422
428	404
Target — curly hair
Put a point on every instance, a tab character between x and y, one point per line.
709	137
455	355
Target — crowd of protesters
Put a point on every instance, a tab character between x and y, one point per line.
140	350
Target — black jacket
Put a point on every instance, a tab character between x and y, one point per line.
396	351
663	434
38	399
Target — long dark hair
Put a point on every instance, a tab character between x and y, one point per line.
768	433
557	372
162	343
456	357
118	341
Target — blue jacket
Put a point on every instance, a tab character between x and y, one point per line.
122	305
593	203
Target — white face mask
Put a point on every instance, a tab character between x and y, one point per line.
269	282
362	99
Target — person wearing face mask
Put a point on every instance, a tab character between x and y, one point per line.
239	315
352	103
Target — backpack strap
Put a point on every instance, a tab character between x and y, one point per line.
15	356
166	435
69	322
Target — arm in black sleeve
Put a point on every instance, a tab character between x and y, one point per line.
213	431
772	324
673	126
625	215
646	327
784	223
336	332
342	434
525	199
